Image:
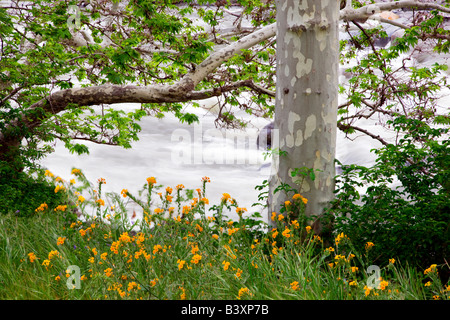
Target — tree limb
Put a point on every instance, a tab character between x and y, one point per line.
367	11
345	127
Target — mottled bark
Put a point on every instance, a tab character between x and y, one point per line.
306	99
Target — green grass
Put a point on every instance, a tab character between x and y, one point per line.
188	255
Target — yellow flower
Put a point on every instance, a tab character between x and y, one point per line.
275	233
274	214
195	249
104	255
151	180
240	211
339	258
308	229
124	192
153	282
32	256
59	187
369	245
180	264
215	236
299	196
183	293
156	248
196	259
60	241
354	269
391	261
169	190
286	233
48	173
242	292
124	237
76	171
427	284
287	203
133	285
367	290
296	196
206	179
101	181
108	272
330	249
179	187
61	208
232	231
42	207
432	268
81	199
46	263
52	254
226	265
294	285
353	283
225	197
295	224
383	284
101	202
339	237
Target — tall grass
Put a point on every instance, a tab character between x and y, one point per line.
185	248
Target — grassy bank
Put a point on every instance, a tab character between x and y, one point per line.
186	248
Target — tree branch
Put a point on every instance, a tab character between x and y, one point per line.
367	11
345	127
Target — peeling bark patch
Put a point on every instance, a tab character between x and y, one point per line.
328	182
304	66
299	138
310	126
293	117
290	141
286	70
318	165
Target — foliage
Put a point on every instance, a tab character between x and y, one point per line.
21	193
48	46
405	210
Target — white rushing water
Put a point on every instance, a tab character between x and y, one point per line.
175	153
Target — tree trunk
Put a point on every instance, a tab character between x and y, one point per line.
306	99
10	158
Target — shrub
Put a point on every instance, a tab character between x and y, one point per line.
22	193
410	222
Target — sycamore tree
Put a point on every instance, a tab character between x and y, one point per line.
65	65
